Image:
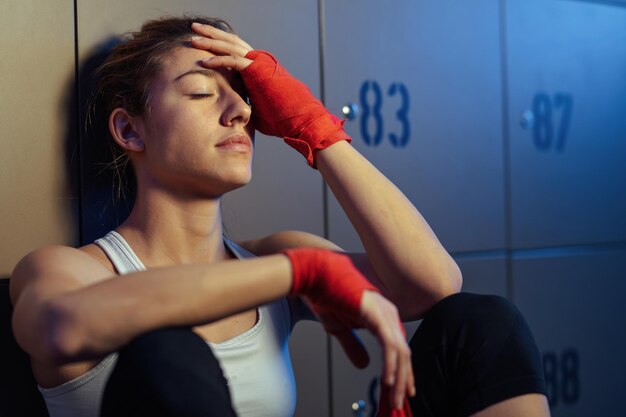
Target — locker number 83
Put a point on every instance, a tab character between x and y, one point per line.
372	123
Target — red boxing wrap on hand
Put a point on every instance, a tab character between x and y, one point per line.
384	405
331	283
283	106
334	288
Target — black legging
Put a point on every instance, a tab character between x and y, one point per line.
470	351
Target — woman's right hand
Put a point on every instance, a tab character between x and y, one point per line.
343	300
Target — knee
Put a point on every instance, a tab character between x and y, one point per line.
472	307
466	315
165	340
160	350
168	372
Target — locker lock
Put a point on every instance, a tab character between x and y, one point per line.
358	408
350	111
527	119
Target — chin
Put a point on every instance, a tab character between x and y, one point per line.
235	182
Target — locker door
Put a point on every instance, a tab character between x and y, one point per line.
481	274
36	73
567	99
426	79
285	193
574	304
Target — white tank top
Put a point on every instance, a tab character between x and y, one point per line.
256	363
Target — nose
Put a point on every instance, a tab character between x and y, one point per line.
236	111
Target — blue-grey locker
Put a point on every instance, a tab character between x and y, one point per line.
567	105
574	303
427	82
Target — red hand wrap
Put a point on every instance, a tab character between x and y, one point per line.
384	405
283	106
332	284
330	281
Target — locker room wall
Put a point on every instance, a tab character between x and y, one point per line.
514	154
35	73
509	137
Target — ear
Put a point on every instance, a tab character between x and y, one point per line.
126	130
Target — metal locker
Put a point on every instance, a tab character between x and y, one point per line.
573	301
426	79
566	103
38	205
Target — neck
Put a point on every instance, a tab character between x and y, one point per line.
167	229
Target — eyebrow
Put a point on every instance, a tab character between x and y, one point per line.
205	71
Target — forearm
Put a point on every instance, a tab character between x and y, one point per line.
103	317
402	248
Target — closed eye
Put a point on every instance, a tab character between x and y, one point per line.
200	96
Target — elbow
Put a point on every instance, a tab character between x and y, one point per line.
454	281
442	284
449	282
62	341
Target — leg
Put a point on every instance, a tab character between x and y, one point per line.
528	405
167	373
474	352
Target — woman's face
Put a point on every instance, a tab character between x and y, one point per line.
197	134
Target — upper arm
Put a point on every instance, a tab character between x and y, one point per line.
288	239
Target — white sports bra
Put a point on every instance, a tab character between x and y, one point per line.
256	363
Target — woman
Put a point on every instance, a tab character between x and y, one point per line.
137	307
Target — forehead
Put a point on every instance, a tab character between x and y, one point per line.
183	59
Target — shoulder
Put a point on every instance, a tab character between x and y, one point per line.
57	268
287	239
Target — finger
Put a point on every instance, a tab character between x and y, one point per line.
215	33
411	376
390	358
354	348
218	47
228	61
401	378
404	376
378	323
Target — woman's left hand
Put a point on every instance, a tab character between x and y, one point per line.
283	106
229	49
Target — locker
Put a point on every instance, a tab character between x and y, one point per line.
426	79
481	274
573	302
566	100
285	193
38	203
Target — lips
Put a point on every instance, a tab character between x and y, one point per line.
237	141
